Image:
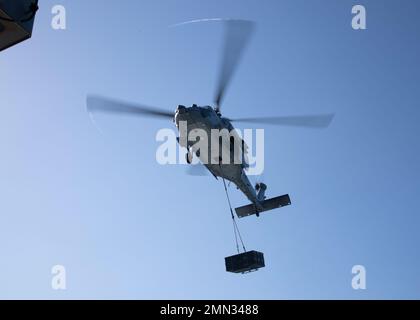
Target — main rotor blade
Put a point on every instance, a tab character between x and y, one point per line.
97	103
237	34
310	121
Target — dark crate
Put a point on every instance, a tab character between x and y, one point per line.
245	262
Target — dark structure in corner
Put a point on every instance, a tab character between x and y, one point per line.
16	21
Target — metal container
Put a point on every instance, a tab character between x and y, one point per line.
245	262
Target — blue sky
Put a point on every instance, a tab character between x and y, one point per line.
126	227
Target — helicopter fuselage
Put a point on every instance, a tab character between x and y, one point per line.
190	121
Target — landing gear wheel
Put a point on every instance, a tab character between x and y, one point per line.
189	157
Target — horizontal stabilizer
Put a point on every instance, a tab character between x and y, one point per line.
268	204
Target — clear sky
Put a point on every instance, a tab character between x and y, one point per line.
125	227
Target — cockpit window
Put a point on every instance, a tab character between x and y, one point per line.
206	111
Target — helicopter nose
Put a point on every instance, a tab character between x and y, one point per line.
181	109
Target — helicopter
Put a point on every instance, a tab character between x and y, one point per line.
207	118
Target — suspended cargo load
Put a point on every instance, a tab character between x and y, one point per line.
245	262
